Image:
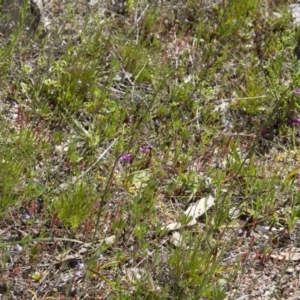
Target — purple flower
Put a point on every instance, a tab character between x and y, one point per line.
296	91
78	274
264	133
145	149
264	228
18	248
127	158
295	120
80	265
240	231
26	216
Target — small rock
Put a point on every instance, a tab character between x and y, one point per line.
176	239
110	240
295	10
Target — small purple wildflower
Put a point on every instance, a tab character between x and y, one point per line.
26	216
80	265
145	149
240	231
296	91
231	253
264	228
18	248
127	158
295	120
78	274
264	133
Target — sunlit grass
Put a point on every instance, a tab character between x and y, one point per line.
144	114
